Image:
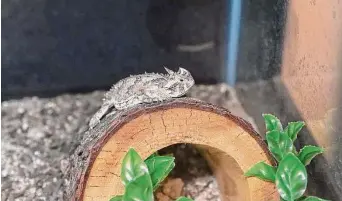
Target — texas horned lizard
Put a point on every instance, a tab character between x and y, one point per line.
144	88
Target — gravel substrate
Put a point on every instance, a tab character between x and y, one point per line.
37	133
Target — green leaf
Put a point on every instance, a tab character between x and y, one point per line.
159	167
307	153
184	199
301	198
132	166
279	144
116	198
293	129
139	189
272	122
291	178
152	155
262	171
313	198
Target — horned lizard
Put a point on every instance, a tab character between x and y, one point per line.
143	88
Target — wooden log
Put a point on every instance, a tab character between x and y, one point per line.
229	143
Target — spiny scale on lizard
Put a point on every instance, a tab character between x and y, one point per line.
144	88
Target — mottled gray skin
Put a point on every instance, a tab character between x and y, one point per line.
144	88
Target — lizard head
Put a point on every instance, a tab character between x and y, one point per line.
179	82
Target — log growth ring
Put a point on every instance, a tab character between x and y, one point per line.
229	143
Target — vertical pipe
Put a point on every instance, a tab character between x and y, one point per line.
232	46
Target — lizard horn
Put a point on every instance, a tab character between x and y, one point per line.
183	71
169	71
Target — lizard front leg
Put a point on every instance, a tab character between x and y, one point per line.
156	94
99	114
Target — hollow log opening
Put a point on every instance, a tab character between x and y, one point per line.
191	177
229	144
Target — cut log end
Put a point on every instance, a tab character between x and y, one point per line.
229	144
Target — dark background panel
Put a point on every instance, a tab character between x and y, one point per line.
51	47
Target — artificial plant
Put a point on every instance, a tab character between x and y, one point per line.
289	175
141	178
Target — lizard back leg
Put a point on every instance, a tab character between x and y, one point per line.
113	112
99	114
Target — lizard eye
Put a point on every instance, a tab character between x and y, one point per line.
181	80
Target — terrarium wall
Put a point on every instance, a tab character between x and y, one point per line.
312	74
